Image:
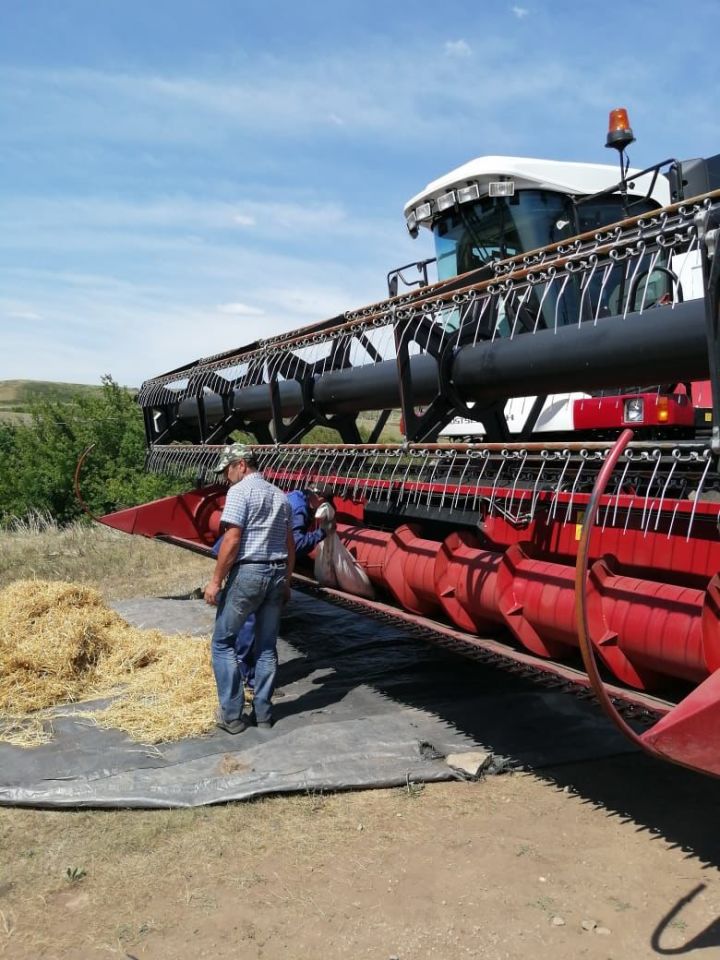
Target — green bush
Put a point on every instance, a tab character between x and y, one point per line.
38	460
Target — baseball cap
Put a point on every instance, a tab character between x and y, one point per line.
232	453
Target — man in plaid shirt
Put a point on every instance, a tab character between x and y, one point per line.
303	504
256	560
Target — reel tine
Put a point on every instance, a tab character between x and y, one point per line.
698	492
656	454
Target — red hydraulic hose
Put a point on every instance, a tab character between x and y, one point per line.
581	570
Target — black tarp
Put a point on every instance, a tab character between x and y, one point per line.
358	705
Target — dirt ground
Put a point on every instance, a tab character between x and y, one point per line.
513	866
604	860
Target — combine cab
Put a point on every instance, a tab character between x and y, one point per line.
573	333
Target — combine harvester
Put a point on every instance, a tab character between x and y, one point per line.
571	345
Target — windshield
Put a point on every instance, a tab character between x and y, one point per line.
498	227
494	228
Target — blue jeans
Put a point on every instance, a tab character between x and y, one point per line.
245	651
257	588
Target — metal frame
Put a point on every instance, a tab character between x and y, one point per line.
708	224
395	276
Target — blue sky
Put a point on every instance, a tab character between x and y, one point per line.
181	177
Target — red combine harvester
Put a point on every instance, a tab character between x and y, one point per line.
555	503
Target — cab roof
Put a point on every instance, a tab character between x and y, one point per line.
577	179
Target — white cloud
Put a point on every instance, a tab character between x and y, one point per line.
457	48
239	310
276	101
311	299
23	315
136	281
174	300
37	221
263	101
520	12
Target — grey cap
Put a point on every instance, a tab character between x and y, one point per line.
231	454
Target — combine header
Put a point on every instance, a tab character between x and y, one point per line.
569	351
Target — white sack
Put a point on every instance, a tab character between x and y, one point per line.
350	575
335	566
325	562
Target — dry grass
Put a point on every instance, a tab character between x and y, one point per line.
52	637
116	564
60	644
169	698
172	693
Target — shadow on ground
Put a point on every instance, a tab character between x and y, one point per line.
709	937
566	741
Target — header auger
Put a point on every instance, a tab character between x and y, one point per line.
545	534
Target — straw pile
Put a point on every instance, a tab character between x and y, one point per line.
60	644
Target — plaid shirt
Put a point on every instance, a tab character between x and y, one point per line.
263	512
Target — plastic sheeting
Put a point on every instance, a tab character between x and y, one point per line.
358	705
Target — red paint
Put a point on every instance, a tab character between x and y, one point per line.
659	410
654	599
653	595
466	583
193	516
690	733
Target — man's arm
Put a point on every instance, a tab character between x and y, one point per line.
304	539
226	557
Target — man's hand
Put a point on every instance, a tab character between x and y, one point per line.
212	591
287	592
225	559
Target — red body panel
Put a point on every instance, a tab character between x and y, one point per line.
608	413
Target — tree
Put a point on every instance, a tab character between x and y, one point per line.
38	460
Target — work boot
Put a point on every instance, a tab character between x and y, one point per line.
229	726
260	724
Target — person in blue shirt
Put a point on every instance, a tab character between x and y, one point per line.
303	504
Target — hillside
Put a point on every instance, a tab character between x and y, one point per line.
17	396
18	393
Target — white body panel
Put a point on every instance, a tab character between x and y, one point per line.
576	179
556	416
688	269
